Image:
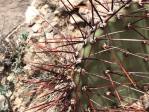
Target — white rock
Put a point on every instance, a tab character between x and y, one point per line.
54	21
11	77
9	93
2	98
3	103
1	68
2	56
18	102
49	36
44	9
36	28
30	15
145	101
75	19
84	10
39	20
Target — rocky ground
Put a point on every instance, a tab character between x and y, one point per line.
11	14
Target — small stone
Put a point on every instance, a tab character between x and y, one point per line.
137	105
44	10
30	15
84	10
1	69
49	36
55	21
2	56
56	12
3	103
11	77
36	28
39	20
28	69
73	101
77	33
3	81
71	27
42	42
18	102
9	93
75	19
145	101
45	24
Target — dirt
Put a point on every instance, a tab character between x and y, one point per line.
11	14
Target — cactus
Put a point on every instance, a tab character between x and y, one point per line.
107	67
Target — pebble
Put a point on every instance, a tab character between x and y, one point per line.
145	101
30	15
75	19
3	103
1	69
45	24
44	10
39	20
36	28
11	77
18	102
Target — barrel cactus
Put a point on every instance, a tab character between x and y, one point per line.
105	67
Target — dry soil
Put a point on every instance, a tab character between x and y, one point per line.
11	14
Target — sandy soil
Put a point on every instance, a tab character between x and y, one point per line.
11	14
